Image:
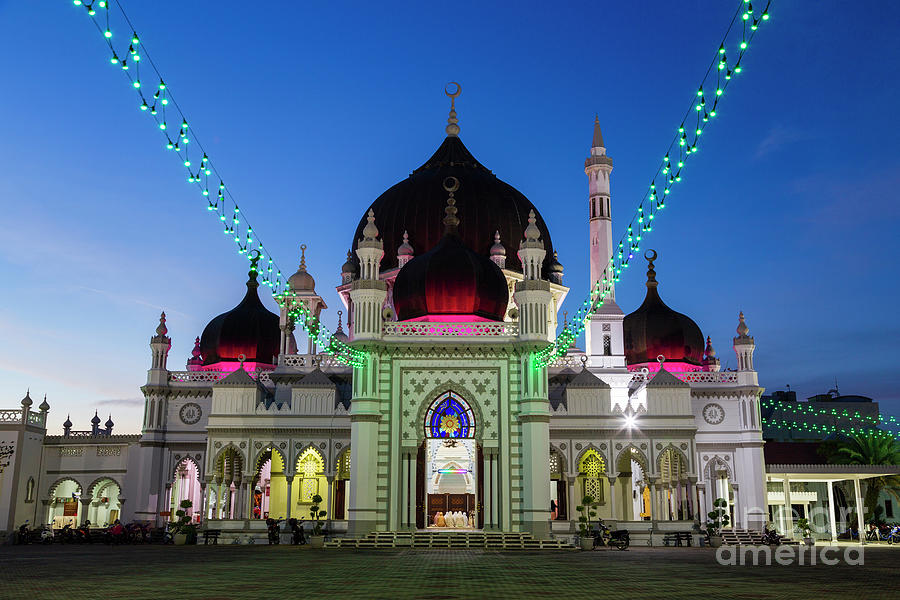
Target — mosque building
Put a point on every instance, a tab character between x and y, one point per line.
450	286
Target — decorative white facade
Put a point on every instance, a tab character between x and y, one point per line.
654	447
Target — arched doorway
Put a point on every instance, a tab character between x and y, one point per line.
65	504
269	486
105	507
223	497
186	486
558	487
449	469
672	476
341	500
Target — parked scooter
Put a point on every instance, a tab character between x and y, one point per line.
274	531
894	536
297	536
619	538
23	534
770	537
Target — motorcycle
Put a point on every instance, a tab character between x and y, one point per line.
274	531
894	536
297	536
24	533
619	538
65	535
83	534
770	537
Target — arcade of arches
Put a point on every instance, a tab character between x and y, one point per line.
69	505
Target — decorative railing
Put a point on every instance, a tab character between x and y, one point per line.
11	416
568	361
307	360
428	328
708	376
211	376
35	418
691	376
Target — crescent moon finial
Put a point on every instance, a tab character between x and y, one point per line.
452	128
453	94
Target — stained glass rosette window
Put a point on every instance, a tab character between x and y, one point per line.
449	417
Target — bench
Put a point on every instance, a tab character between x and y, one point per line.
677	538
211	534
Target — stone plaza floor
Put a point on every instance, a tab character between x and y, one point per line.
286	572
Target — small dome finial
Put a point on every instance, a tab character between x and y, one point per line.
598	135
45	406
303	256
710	351
161	328
451	221
497	249
651	255
27	401
370	231
452	128
532	233
742	329
405	248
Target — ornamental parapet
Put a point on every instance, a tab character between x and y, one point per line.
430	329
212	376
729	377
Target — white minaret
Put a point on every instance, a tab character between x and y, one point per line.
597	167
604	338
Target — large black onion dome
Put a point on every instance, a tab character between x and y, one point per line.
655	329
451	279
488	204
249	329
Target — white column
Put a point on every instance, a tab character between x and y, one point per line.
287	509
612	499
788	513
701	504
860	521
654	502
831	515
570	498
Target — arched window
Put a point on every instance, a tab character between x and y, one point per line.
607	346
592	468
449	417
29	490
309	466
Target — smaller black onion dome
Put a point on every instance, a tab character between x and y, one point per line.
68	422
248	329
451	279
654	329
95	419
109	422
45	406
349	267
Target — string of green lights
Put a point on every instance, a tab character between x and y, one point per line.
684	145
796	408
156	100
824	429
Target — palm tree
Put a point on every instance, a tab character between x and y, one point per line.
871	448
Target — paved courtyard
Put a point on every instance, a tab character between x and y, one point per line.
285	572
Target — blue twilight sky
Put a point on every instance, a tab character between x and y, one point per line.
311	110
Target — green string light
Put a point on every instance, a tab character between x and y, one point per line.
242	234
682	146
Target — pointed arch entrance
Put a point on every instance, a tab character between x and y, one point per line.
450	467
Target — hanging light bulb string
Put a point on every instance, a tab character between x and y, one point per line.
220	200
796	408
668	172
